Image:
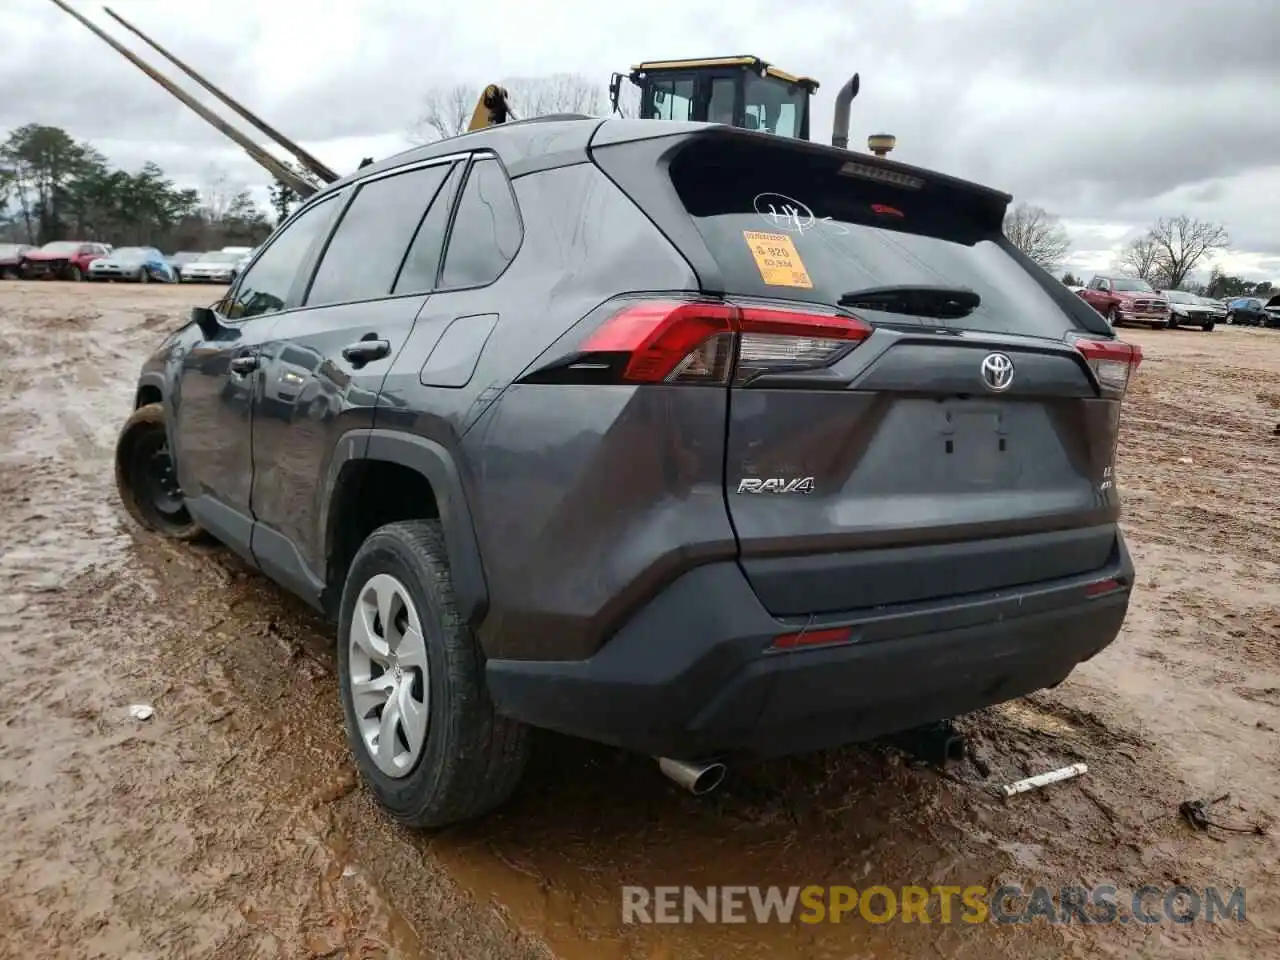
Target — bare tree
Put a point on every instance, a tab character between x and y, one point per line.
1181	243
556	93
217	192
1140	257
446	112
1038	234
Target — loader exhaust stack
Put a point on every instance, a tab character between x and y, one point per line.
844	100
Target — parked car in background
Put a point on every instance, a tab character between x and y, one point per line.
1272	309
181	258
1247	312
11	259
1217	308
218	266
61	260
1189	310
137	264
244	261
1127	300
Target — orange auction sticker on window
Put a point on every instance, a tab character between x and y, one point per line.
777	259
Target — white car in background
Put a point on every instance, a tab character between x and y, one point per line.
218	266
244	261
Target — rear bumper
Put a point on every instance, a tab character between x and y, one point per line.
689	675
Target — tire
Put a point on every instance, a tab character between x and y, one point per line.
145	479
143	276
470	759
1207	326
75	274
1173	322
10	273
1113	318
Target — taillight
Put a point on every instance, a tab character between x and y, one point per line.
670	341
1112	361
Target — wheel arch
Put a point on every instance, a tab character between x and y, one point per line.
150	390
436	466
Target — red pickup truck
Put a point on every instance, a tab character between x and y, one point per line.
1127	300
62	259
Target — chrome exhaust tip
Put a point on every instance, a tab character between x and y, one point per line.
697	778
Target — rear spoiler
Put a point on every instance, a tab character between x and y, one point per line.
616	130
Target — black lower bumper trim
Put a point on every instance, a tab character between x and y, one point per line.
690	674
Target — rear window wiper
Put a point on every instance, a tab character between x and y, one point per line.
919	301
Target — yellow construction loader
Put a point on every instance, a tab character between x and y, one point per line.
742	91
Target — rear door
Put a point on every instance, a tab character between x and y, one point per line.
951	439
326	362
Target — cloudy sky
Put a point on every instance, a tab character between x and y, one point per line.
1108	114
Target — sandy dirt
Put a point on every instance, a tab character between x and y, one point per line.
230	824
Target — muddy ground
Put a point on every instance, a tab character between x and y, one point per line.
231	824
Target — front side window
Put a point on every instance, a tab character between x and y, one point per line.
486	229
265	286
364	254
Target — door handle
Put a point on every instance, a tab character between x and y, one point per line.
362	351
245	364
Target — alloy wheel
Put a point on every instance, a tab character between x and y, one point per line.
389	676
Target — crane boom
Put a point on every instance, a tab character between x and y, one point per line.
300	186
305	158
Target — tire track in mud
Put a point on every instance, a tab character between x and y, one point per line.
200	832
231	823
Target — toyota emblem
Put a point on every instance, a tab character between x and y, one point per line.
997	372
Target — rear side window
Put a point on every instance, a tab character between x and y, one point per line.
486	229
422	264
786	223
364	254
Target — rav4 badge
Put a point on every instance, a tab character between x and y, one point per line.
776	485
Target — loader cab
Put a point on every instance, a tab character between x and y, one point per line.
738	91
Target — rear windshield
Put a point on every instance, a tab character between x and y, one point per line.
787	224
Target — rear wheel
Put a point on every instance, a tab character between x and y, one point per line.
146	478
10	273
1207	326
418	714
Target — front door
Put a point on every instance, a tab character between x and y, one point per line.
213	404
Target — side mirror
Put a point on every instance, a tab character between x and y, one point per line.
207	320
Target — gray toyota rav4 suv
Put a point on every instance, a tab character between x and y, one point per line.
677	437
